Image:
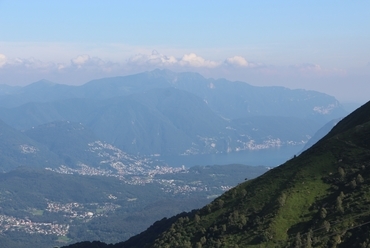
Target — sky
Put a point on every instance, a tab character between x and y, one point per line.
313	45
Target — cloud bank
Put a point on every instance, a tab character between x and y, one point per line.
84	67
154	59
91	67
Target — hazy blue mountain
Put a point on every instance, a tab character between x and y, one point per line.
41	91
70	141
17	149
164	121
163	112
227	98
7	90
324	130
33	114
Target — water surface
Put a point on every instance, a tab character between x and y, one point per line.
267	157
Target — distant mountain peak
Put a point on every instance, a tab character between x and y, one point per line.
43	82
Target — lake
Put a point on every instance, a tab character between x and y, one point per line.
267	157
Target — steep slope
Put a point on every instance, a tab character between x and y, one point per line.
324	130
318	199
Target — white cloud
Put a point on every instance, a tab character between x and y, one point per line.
2	60
30	64
155	58
80	60
237	61
85	62
160	60
193	60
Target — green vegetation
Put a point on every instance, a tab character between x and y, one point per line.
119	210
37	211
63	239
318	199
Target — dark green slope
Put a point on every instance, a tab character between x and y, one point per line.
318	199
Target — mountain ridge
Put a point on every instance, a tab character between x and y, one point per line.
163	129
227	98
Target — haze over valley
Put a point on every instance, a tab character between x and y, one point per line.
121	141
184	124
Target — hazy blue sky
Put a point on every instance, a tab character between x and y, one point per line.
320	45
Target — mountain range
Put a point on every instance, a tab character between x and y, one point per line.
78	161
167	113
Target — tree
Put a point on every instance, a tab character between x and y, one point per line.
196	218
353	184
339	205
341	172
198	245
298	241
326	225
220	203
359	179
282	199
309	239
203	240
323	213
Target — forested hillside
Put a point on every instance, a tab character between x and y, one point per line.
318	199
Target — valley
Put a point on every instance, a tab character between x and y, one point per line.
184	124
105	160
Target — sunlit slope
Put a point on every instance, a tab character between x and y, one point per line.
318	199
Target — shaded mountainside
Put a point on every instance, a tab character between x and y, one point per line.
318	199
163	112
230	99
165	121
70	141
17	149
